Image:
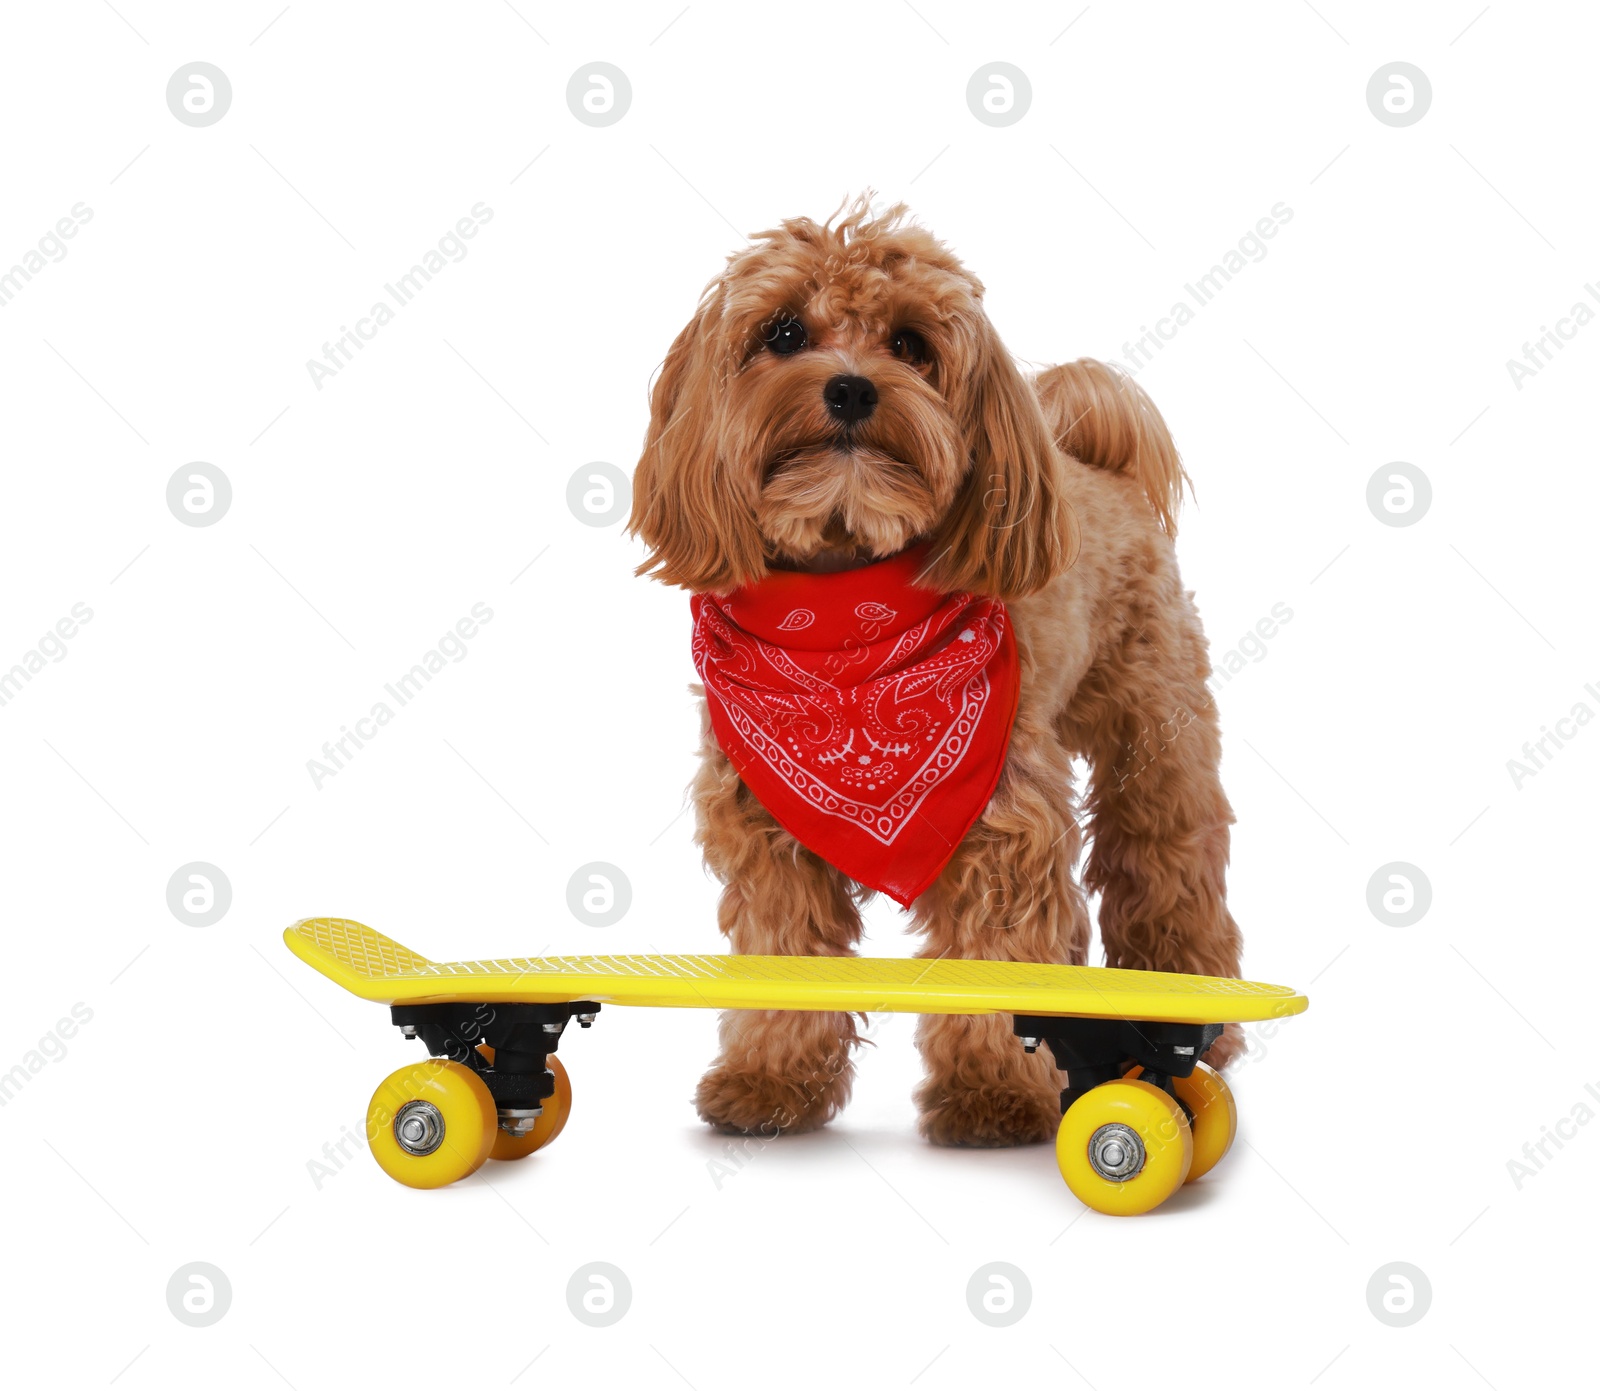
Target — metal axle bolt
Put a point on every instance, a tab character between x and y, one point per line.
419	1128
517	1120
1116	1152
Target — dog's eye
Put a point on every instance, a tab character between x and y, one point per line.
785	335
909	346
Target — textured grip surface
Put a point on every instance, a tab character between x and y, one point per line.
375	967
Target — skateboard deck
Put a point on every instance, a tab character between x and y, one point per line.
374	967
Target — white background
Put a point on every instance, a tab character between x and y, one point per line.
431	474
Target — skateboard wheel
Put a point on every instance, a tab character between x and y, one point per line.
552	1115
431	1124
1213	1115
1124	1147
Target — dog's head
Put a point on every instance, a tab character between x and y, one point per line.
838	396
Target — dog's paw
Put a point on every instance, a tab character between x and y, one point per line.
739	1102
990	1117
1231	1045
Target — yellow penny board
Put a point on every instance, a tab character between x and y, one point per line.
373	967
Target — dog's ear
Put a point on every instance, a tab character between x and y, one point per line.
687	508
1011	529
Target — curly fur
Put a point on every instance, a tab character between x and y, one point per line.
1058	494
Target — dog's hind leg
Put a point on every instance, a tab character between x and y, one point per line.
1145	720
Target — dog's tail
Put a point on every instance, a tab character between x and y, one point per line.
1101	416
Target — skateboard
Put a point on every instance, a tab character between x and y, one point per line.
1141	1114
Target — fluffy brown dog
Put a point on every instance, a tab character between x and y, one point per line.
1056	494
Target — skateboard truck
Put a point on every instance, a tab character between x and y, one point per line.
519	1039
1092	1051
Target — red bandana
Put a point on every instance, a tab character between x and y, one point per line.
870	717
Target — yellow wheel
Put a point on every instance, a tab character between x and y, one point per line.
1213	1115
552	1115
431	1124
1124	1147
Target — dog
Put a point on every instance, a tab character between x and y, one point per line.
1055	495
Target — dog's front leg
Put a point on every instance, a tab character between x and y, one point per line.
779	1071
1007	895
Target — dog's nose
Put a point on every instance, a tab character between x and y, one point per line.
850	398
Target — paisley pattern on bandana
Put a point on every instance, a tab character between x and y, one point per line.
870	717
